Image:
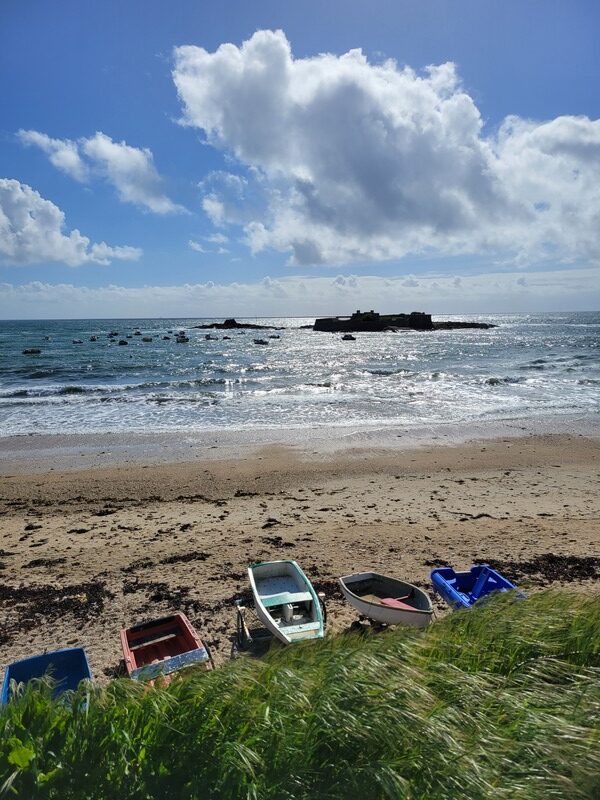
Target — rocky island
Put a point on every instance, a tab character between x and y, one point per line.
232	324
359	322
364	321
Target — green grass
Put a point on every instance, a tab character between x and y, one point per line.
500	701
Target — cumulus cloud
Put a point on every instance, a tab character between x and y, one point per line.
63	153
229	198
217	238
358	161
132	172
310	296
554	168
193	245
199	248
129	169
32	231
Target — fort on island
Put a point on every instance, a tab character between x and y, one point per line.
373	321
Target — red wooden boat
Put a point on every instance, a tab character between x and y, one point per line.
158	648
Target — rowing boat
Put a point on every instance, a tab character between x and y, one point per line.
387	600
158	648
285	601
463	589
66	668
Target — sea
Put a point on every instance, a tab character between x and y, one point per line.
530	366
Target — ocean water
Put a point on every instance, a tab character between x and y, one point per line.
530	366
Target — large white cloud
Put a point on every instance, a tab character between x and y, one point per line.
554	168
358	161
129	169
32	231
577	289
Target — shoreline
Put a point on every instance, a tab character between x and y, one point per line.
86	552
40	453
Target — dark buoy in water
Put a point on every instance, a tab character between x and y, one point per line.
31	351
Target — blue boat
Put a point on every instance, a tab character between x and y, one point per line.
66	668
463	589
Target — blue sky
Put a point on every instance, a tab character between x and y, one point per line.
280	196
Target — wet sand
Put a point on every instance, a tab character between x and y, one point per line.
84	552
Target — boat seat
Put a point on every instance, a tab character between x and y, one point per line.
281	598
146	640
304	626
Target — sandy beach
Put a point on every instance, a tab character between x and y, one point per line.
86	551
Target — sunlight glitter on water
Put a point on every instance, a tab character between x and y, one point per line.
532	365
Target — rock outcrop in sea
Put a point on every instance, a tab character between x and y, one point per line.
231	323
365	321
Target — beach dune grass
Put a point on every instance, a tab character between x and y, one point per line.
499	701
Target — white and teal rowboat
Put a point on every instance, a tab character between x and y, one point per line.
285	601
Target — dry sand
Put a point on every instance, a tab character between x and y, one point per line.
85	552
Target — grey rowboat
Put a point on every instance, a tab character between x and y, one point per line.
387	600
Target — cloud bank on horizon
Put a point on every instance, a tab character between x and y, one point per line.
308	295
353	161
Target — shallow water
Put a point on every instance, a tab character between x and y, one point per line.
531	366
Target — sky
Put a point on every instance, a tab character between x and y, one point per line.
278	158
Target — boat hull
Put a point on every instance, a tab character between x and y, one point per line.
354	590
66	667
285	601
464	589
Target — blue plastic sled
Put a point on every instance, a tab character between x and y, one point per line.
463	589
66	667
